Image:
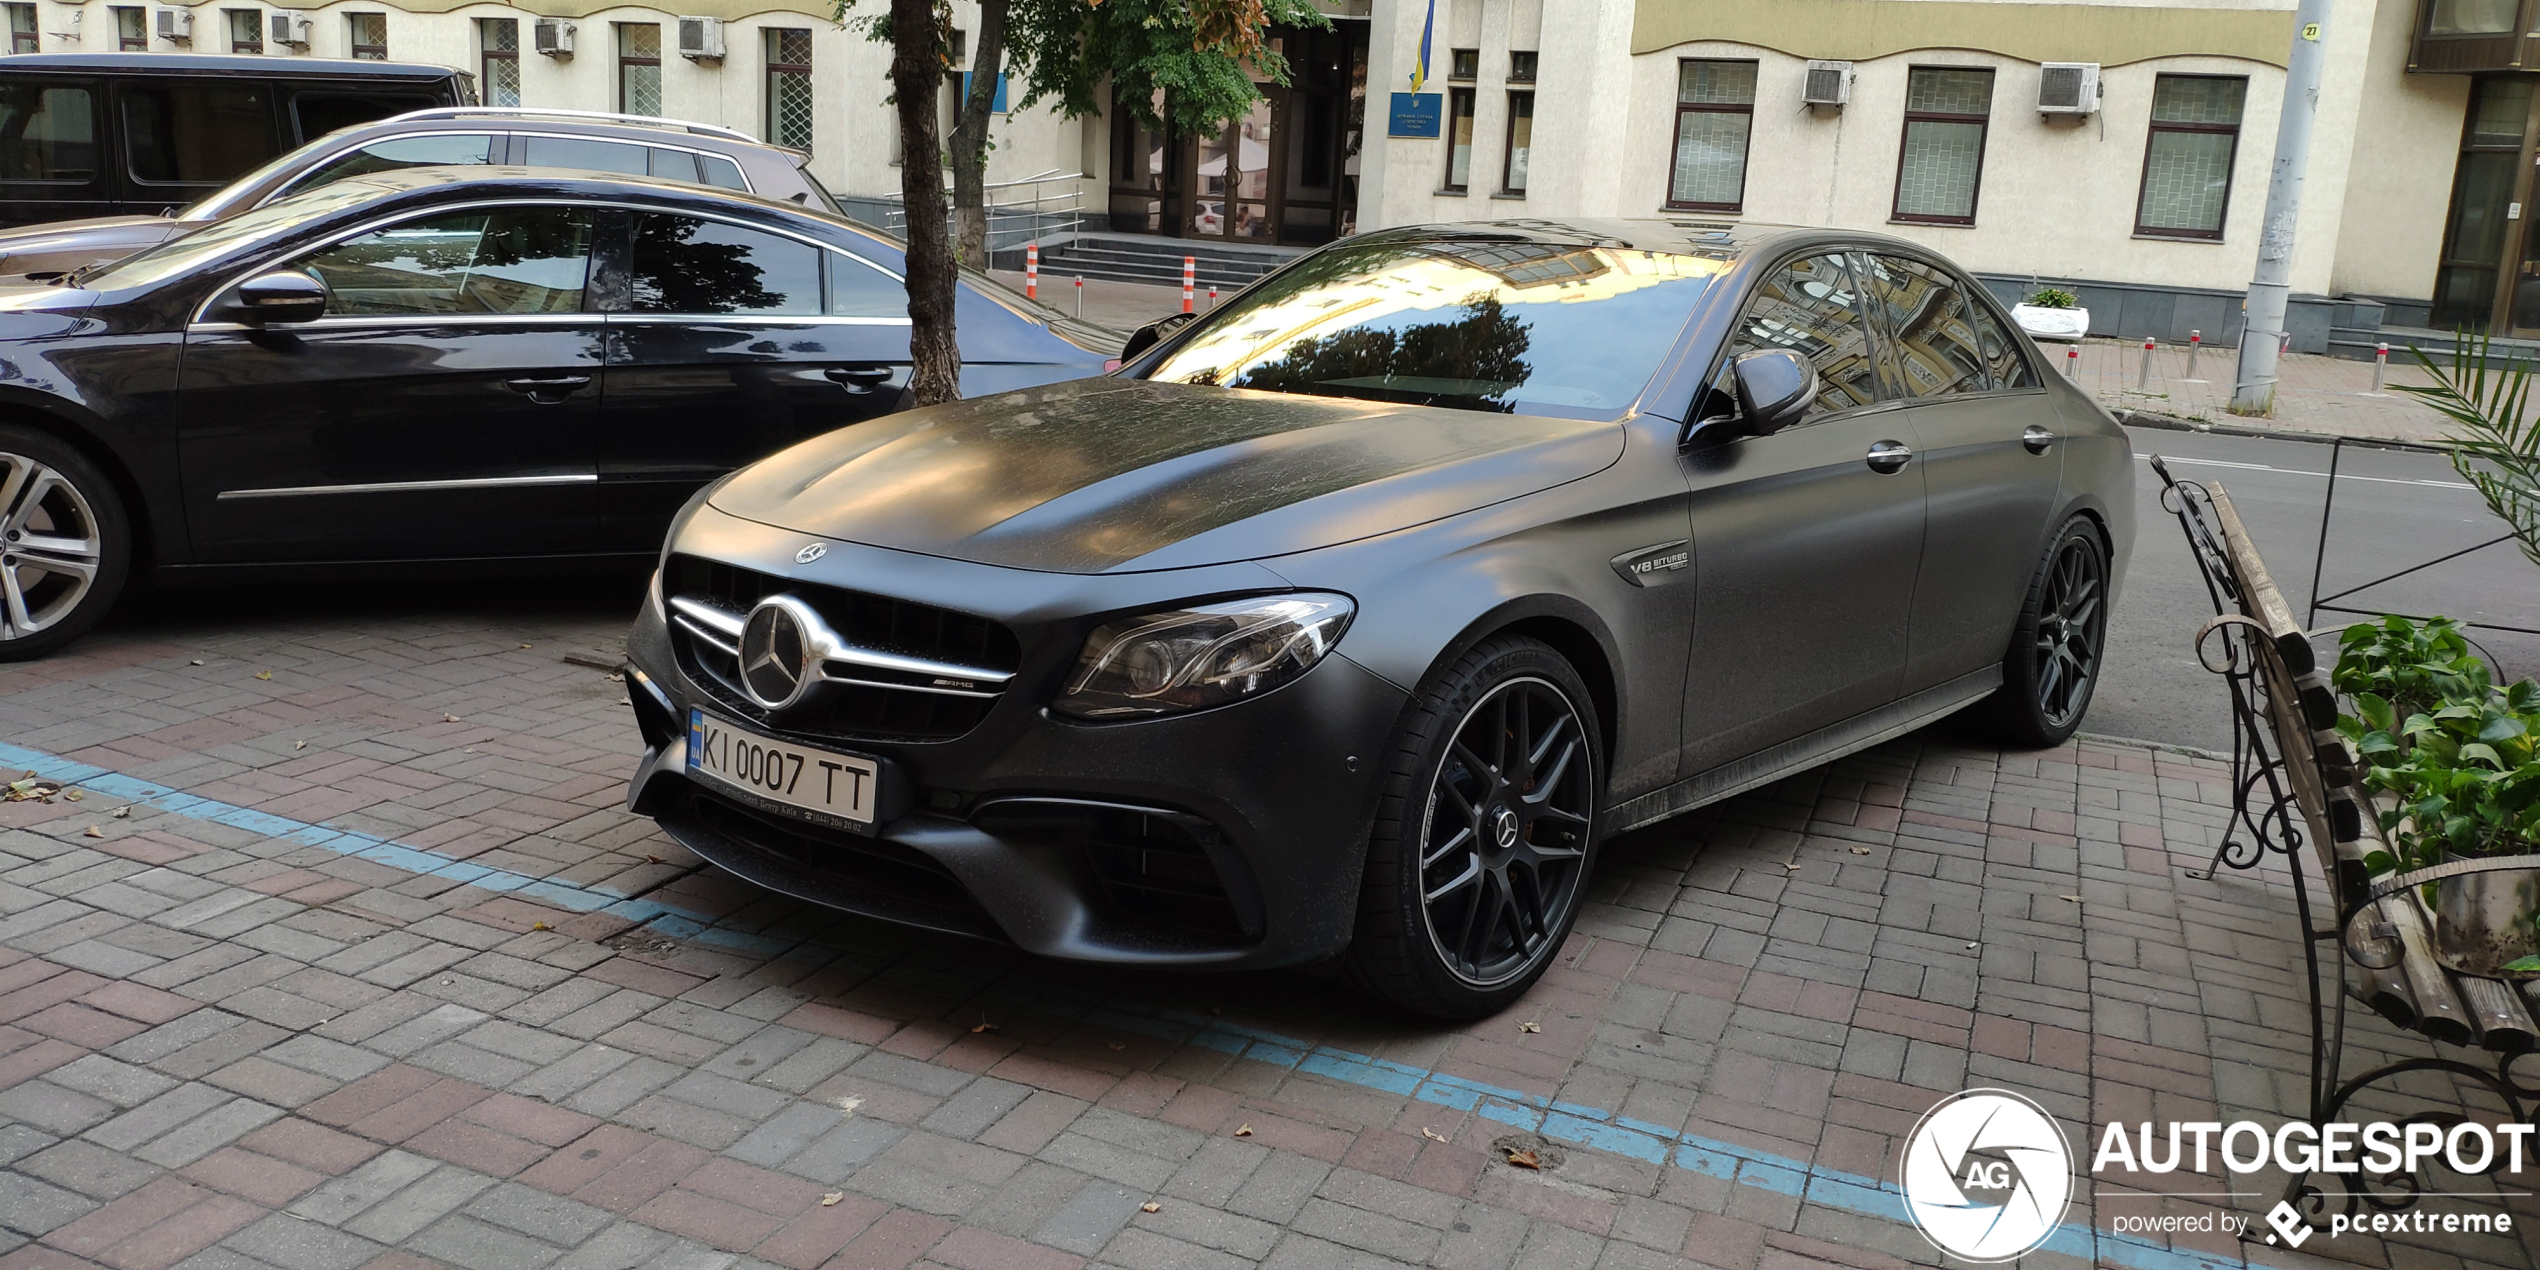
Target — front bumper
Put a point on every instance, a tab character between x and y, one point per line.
1227	838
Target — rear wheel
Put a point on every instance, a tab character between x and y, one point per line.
2058	646
64	547
1485	836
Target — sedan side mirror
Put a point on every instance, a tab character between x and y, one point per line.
285	295
1775	387
1153	333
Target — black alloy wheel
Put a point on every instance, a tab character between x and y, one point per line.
1485	833
2060	642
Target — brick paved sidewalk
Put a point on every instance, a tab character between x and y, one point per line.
375	973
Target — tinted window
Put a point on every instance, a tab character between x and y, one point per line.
678	165
1547	328
508	260
195	133
2006	364
1809	307
685	265
46	134
590	156
1935	337
402	152
722	171
857	289
321	113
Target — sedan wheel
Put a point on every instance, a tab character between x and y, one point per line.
2057	648
1485	834
62	544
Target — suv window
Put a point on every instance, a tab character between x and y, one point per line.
1936	346
507	260
320	113
686	265
587	154
403	152
195	134
1810	307
47	133
722	172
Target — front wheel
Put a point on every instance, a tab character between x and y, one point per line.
64	547
2059	645
1485	834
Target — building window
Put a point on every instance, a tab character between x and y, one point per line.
789	86
1521	68
1463	64
369	33
498	44
2187	160
1715	106
132	29
1521	141
2470	17
246	30
2481	236
1459	139
639	68
1941	161
22	35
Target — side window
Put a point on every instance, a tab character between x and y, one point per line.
685	265
678	165
46	133
319	113
857	289
402	152
510	260
2001	350
722	171
1936	342
1808	306
195	134
588	155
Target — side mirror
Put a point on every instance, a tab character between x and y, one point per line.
1775	387
285	295
1153	333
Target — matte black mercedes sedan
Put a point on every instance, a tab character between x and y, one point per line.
1348	619
451	369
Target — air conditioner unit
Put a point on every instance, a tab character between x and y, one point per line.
177	25
290	26
2068	88
552	36
1828	84
701	39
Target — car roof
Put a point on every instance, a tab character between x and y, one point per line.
1678	235
496	180
677	132
225	64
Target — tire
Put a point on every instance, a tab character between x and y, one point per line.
1480	852
2059	646
65	545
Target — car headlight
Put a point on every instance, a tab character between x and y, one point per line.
1201	656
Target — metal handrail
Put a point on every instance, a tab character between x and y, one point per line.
609	116
1061	213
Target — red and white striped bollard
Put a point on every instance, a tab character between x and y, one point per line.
1031	271
1190	273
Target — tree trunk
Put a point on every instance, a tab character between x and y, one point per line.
970	136
917	69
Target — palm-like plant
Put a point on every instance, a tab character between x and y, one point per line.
2498	446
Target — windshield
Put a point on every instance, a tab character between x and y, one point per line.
1497	325
177	255
231	197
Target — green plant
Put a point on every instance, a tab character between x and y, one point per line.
2054	298
2464	776
2415	668
2498	450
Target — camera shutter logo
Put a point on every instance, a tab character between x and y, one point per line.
1987	1175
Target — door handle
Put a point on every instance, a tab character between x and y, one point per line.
858	379
2037	439
1889	457
547	390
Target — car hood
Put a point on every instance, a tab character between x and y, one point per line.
1122	475
66	245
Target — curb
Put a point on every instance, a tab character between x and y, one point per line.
2101	738
2172	423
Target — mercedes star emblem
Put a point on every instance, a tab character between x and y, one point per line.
811	553
775	653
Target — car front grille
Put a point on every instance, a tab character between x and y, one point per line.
889	693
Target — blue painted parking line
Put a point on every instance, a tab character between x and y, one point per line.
1560	1121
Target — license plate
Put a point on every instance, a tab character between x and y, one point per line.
822	786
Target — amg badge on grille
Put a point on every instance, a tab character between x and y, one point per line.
1655	566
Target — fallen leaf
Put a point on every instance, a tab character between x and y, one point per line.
1524	1160
652	859
124	812
617	679
524	645
73	795
1432	1134
2074	898
1150	1207
1860	850
198	661
984	1026
94	832
449	718
540	926
849	1104
299	745
1529	1026
831	1199
1971	944
264	674
1791	867
1244	1132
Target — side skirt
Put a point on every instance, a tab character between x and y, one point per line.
1824	745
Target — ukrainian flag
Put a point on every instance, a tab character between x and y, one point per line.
1420	69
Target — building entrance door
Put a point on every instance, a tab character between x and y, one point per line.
2489	278
1232	197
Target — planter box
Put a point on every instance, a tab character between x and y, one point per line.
2051	324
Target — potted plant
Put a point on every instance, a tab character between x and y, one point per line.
2052	313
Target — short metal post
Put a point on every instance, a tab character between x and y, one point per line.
2143	378
2072	361
2195	341
1080	295
2380	364
1190	271
1031	271
1212	298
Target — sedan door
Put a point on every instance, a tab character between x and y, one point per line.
1806	541
1989	460
734	343
446	406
